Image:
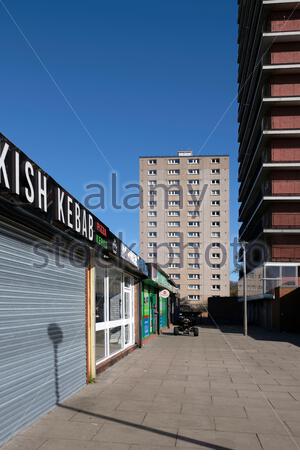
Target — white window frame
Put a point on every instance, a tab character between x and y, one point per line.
194	297
152	244
107	324
193	234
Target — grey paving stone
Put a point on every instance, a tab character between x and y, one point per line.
115	433
209	410
214	440
110	416
224	393
250	425
200	389
135	405
200	397
287	414
23	443
280	396
60	429
294	426
275	442
250	394
251	402
287	404
73	444
173	421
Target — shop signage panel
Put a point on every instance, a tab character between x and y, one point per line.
129	255
164	294
35	189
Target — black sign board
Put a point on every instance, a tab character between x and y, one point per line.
22	178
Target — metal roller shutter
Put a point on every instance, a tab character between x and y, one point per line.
39	307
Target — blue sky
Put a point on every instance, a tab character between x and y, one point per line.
88	86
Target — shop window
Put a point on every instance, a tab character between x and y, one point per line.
100	295
115	340
272	272
127	334
115	292
127	304
127	281
100	345
114	312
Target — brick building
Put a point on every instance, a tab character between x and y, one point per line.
269	146
184	222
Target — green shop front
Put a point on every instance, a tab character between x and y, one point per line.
158	292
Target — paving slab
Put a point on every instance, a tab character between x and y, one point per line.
215	440
218	391
275	442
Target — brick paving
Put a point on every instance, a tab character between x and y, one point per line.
217	391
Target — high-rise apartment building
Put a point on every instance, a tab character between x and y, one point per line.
184	222
269	145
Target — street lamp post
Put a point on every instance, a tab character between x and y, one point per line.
244	245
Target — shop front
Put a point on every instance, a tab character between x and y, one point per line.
118	273
158	290
45	240
114	312
149	310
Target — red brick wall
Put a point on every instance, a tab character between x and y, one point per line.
285	150
286	252
285	53
285	220
285	215
285	118
285	85
285	21
285	183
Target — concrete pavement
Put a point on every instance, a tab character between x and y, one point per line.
217	391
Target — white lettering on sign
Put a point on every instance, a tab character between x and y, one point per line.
42	192
29	190
91	228
69	212
60	208
3	171
17	173
84	228
21	177
77	224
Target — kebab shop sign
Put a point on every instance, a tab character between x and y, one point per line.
21	177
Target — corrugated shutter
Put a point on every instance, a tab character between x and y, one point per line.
35	303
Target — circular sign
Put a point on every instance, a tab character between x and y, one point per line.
164	294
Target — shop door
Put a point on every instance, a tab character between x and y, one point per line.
128	310
163	312
153	310
114	312
42	328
